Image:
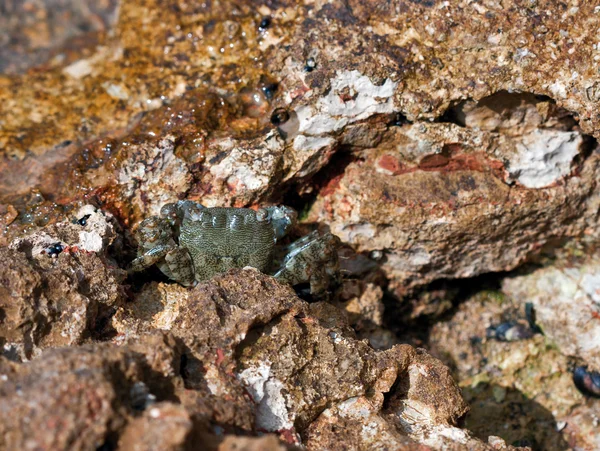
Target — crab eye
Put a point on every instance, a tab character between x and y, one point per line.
283	219
169	211
262	215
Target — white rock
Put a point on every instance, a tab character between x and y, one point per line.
272	413
567	305
543	157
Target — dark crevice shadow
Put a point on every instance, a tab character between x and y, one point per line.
495	411
302	201
511	106
125	400
511	415
504	103
416	331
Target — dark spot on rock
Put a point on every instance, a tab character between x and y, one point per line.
107	446
587	382
437	62
54	249
264	23
347	94
83	221
428	3
337	12
398	119
303	291
269	90
280	116
310	64
140	396
218	157
530	315
509	331
183	366
209	26
467	183
475	340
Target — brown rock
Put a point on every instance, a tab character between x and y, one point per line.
261	359
573	279
457	220
441	174
362	427
265	443
49	302
163	426
78	398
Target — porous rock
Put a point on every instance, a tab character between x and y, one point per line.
190	101
566	300
242	352
363	303
151	175
49	302
245	333
529	375
80	397
89	230
163	426
266	442
436	201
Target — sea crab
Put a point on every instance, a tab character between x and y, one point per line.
190	243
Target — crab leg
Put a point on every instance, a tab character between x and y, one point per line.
150	257
181	266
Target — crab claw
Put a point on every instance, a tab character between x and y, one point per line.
283	219
312	259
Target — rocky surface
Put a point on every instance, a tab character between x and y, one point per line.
294	359
58	286
440	140
572	280
522	386
242	353
443	201
52	32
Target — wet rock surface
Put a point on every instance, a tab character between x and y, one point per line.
447	145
